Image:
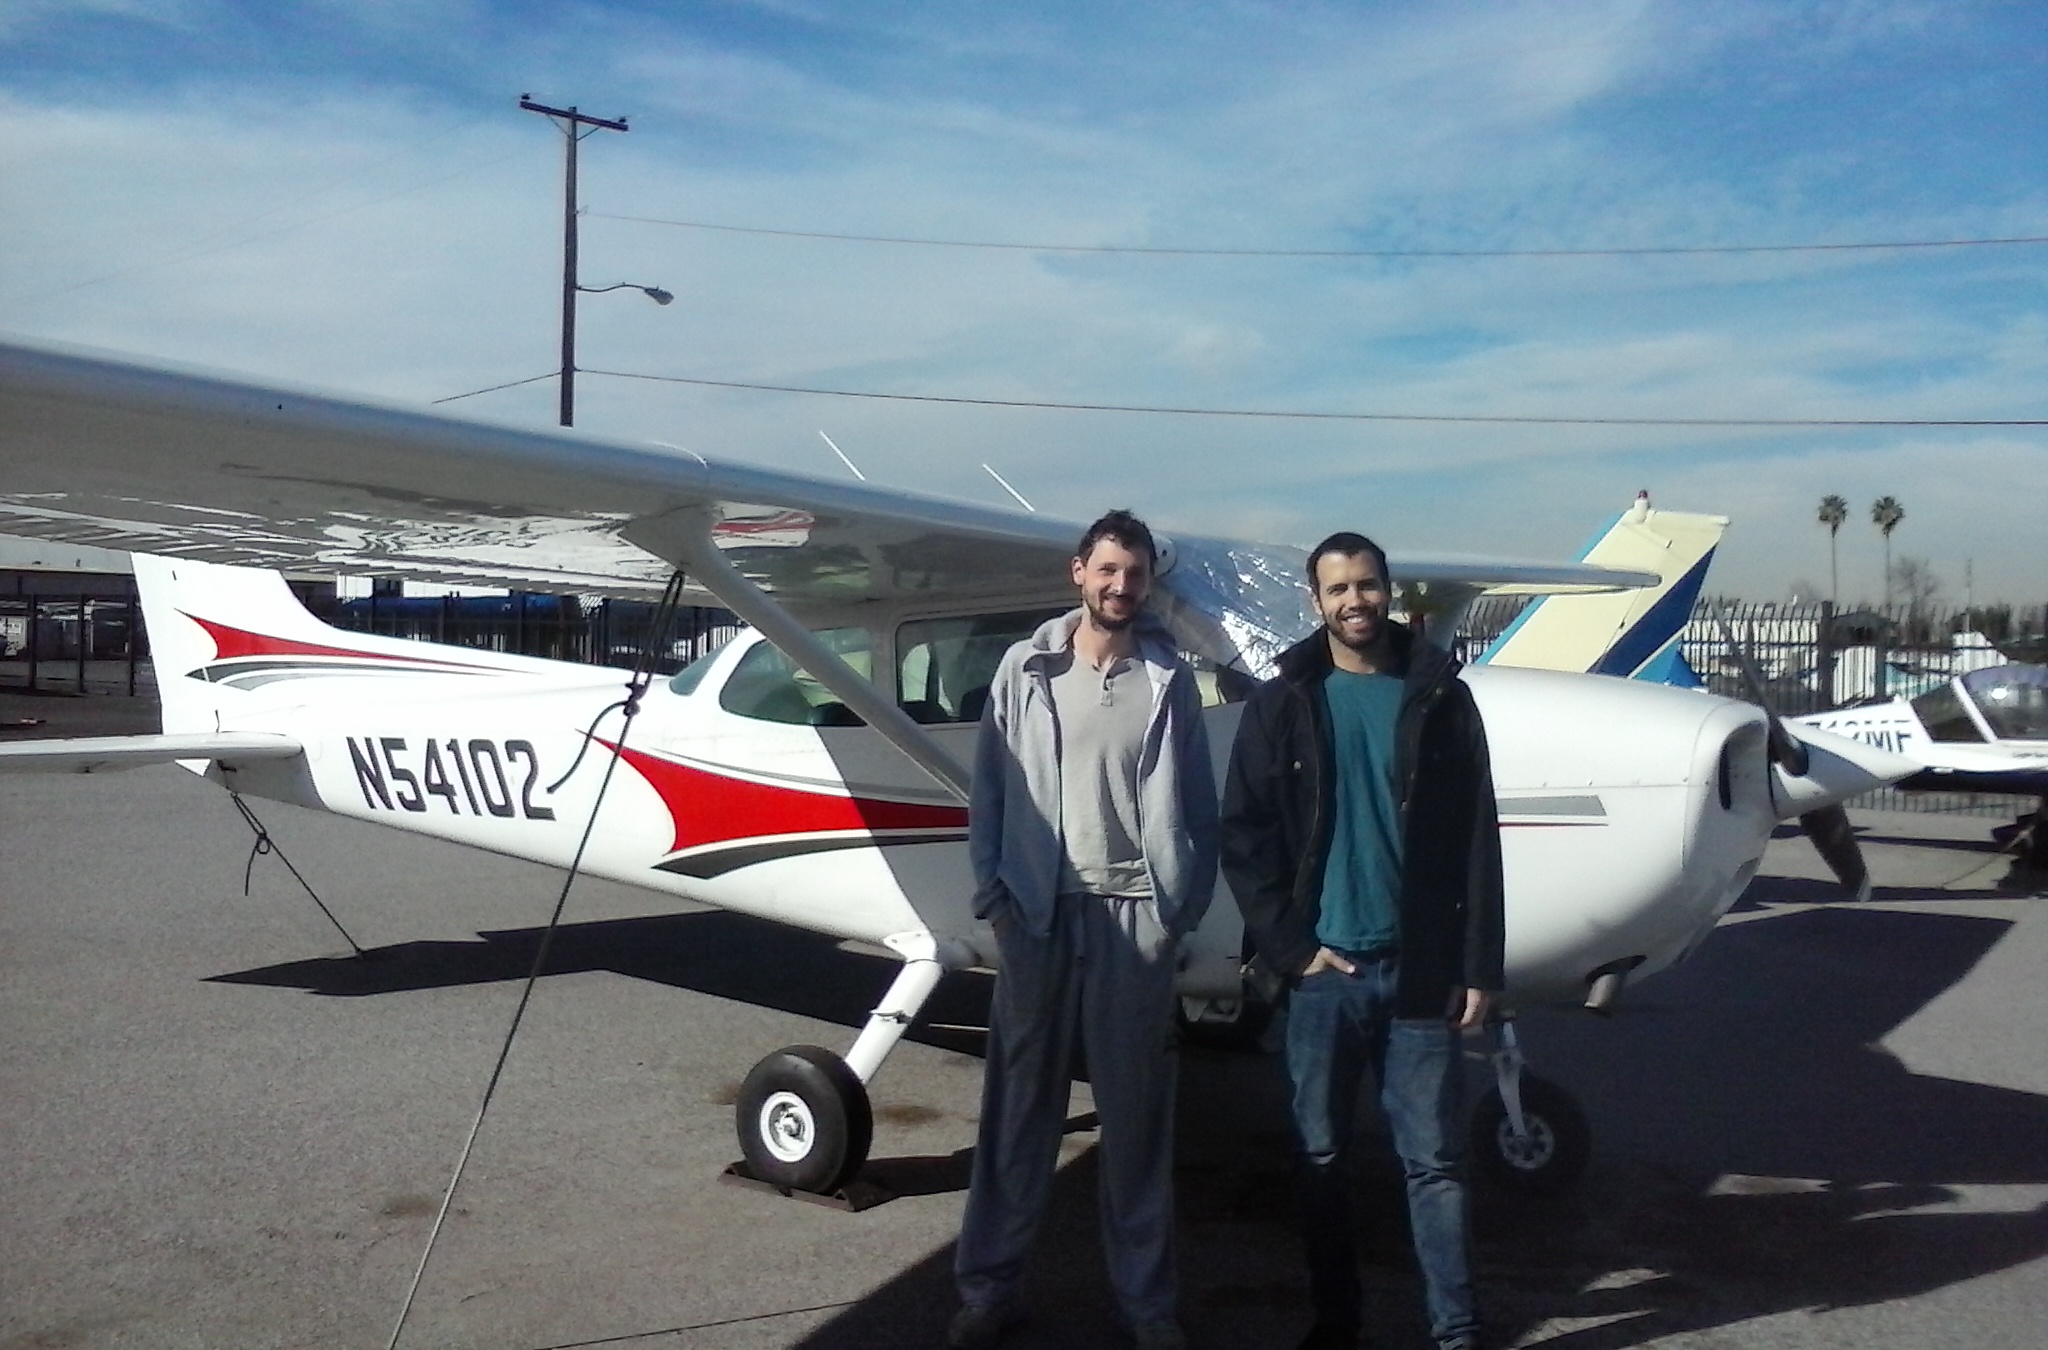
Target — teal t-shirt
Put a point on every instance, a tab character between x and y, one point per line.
1362	878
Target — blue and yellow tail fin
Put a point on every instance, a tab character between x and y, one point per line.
1632	634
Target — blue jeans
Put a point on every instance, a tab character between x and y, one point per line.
1338	1028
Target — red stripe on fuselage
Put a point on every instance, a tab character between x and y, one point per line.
710	808
229	643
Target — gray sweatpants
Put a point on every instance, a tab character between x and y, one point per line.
1104	975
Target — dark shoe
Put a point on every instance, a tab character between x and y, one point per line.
1465	1340
1330	1336
978	1326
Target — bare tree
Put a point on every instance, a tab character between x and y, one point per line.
1917	587
1833	511
1886	513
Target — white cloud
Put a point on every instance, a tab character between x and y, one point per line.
23	17
301	234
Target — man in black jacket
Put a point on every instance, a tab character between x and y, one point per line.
1361	840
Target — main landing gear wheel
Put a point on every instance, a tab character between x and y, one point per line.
1553	1153
804	1120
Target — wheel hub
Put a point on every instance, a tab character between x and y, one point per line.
787	1127
1530	1152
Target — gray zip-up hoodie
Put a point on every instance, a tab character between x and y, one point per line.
1014	834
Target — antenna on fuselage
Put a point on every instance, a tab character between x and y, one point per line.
854	468
1012	491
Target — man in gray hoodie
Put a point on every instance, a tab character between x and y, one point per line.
1093	833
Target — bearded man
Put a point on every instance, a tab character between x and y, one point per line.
1092	827
1362	843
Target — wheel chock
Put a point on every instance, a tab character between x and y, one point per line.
852	1198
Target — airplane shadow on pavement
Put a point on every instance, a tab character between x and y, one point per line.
711	952
1756	1151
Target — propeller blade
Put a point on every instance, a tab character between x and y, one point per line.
1835	840
1787	750
1818	773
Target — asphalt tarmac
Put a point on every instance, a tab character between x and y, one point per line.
221	1128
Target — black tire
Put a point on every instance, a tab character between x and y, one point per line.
1559	1144
804	1120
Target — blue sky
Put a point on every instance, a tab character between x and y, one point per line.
344	193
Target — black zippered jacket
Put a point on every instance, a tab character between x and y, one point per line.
1281	794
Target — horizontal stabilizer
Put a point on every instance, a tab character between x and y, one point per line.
101	754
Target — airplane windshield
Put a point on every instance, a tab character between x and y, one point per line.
2013	700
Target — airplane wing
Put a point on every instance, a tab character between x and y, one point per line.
187	464
153	458
99	754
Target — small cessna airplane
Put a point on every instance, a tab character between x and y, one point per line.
1985	730
812	770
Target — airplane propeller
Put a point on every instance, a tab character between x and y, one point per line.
1826	826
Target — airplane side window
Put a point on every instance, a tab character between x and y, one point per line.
767	686
1941	711
944	666
686	680
1219	684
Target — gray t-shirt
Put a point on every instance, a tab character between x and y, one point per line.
1102	716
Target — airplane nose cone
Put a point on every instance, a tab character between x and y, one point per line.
1837	769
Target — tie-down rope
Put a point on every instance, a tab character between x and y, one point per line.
643	674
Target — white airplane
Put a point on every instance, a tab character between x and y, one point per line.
1985	730
811	771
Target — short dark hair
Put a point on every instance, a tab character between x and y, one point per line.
1350	545
1123	527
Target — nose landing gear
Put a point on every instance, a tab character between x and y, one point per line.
1528	1134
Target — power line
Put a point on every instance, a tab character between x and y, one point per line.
494	388
1469	418
1673	251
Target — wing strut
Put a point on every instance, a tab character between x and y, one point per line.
693	548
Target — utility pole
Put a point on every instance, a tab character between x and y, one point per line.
572	124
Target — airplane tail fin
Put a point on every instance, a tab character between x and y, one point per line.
200	618
1633	634
230	640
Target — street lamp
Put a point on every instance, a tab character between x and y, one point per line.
654	293
573	124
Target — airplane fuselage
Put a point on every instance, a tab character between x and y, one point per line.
1980	764
1617	845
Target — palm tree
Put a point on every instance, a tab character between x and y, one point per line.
1833	511
1886	513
